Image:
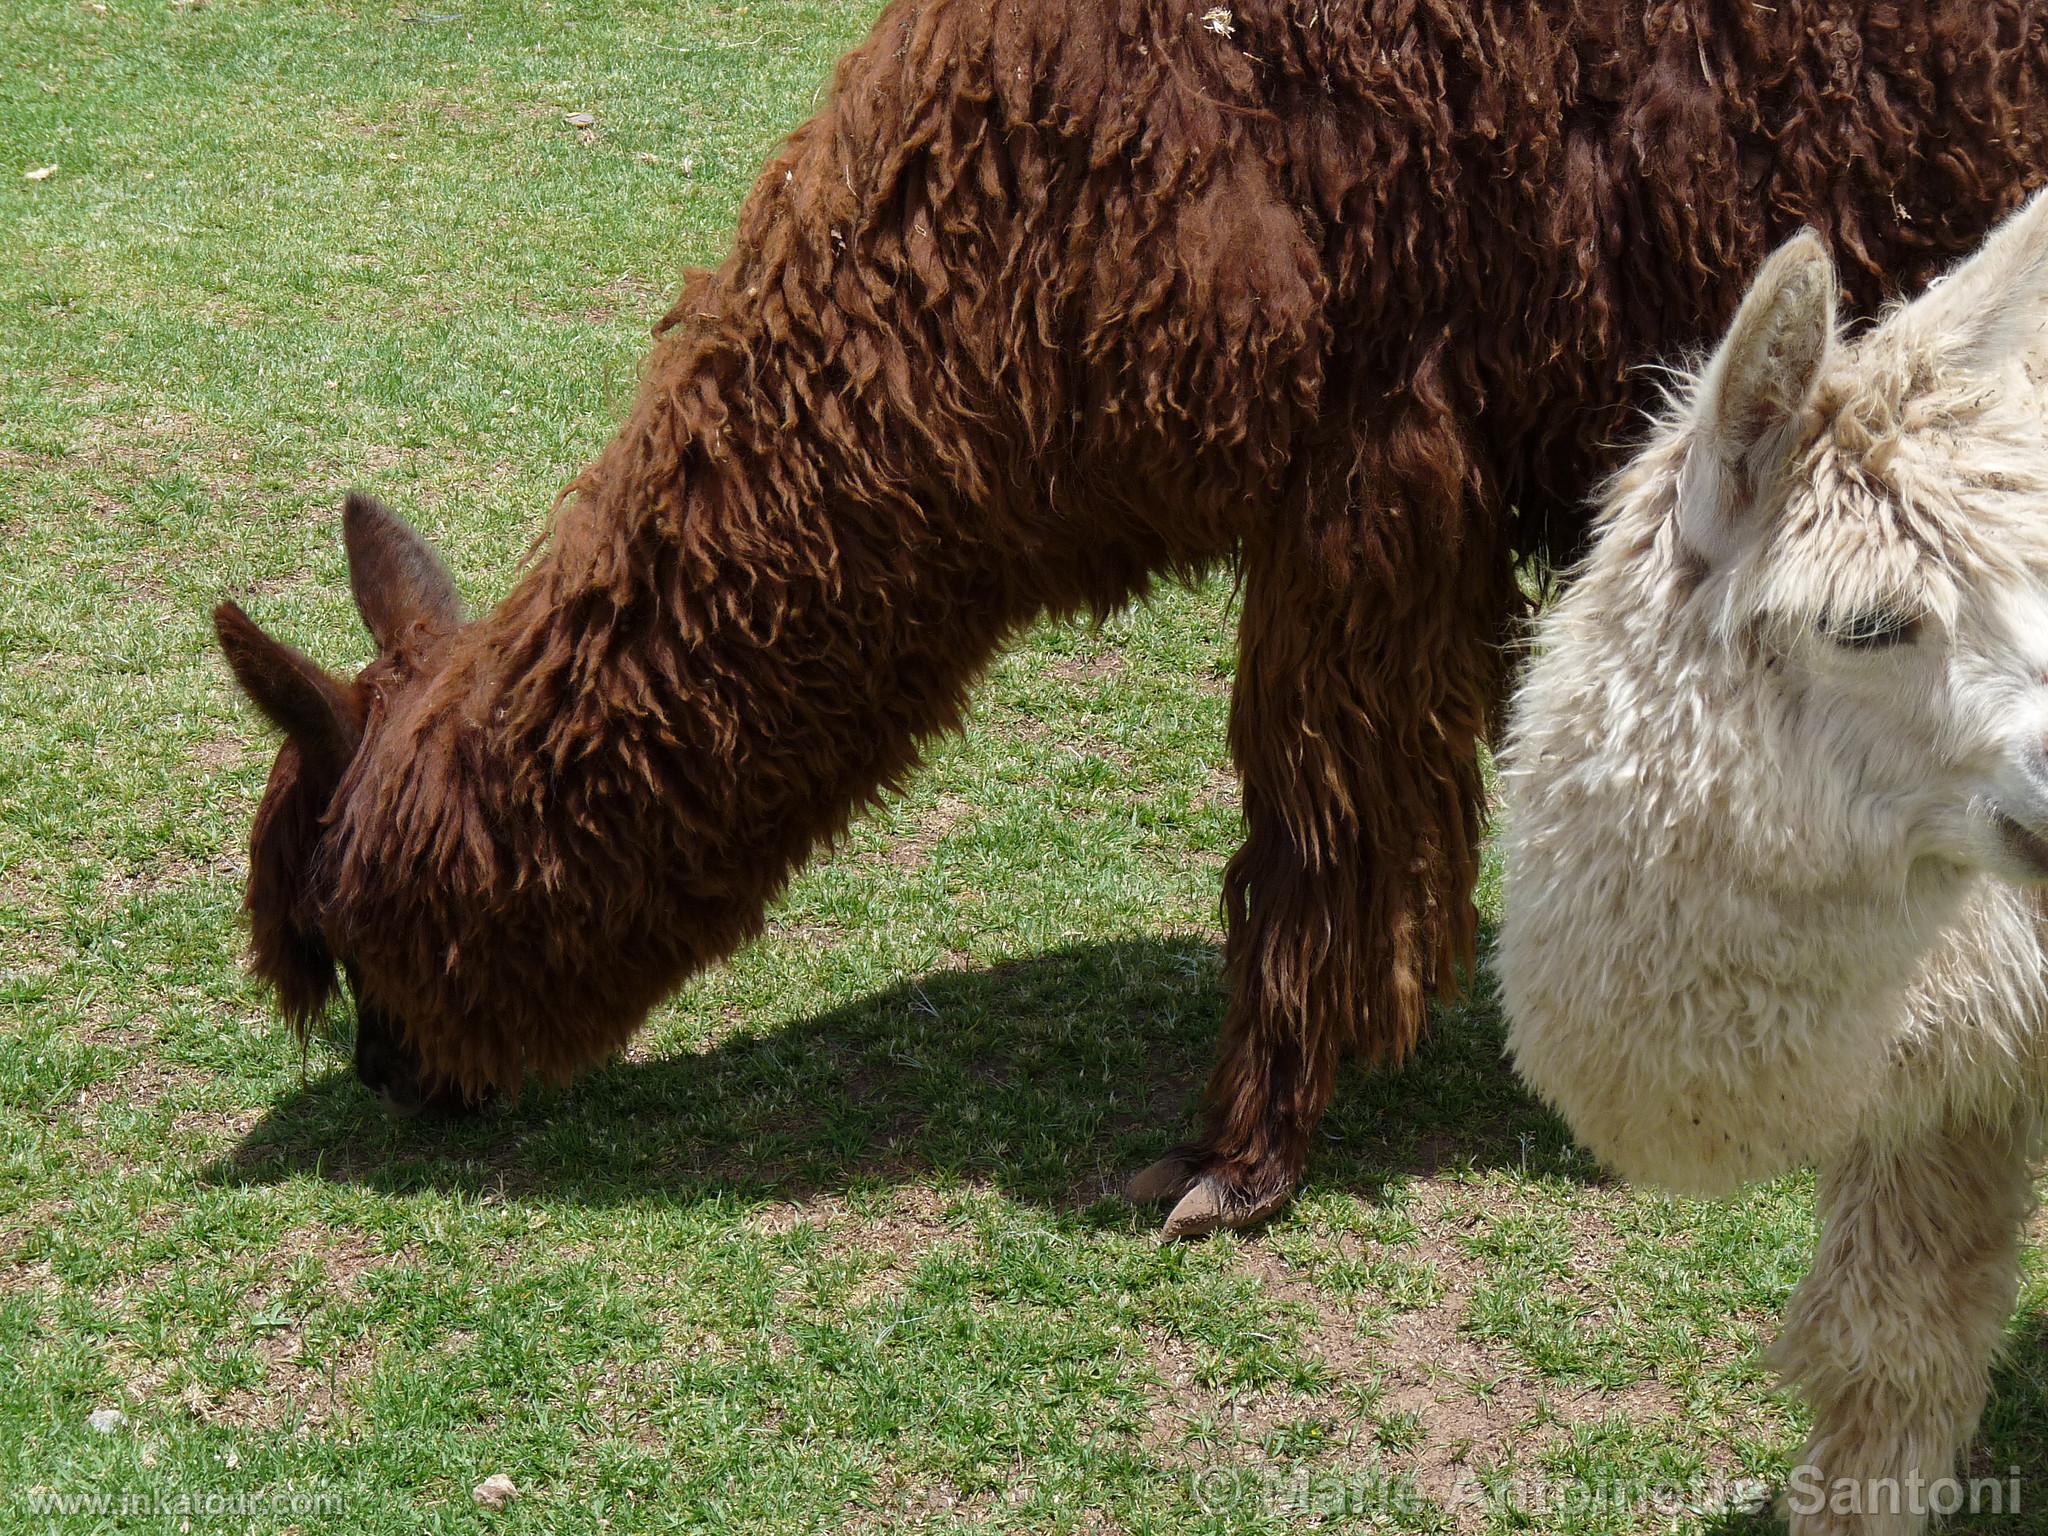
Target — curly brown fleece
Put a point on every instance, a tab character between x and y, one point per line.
1052	300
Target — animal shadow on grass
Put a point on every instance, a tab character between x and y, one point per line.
1051	1079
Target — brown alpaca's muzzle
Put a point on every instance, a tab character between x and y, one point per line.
389	1067
407	599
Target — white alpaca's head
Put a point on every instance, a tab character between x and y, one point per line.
1795	703
1866	526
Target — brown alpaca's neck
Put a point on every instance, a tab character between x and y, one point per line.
733	642
607	779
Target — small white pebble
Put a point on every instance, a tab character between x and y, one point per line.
580	119
106	1420
494	1492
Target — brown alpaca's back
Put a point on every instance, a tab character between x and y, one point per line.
1048	301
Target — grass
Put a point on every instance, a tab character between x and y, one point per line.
836	1246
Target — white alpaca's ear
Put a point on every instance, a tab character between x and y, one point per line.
1993	308
1750	398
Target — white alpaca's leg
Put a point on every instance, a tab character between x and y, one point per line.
1891	1337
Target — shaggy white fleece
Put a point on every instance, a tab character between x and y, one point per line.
1777	823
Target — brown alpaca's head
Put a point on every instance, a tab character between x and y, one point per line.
409	604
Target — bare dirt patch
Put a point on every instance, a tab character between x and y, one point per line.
1088	669
1080	744
1186	1412
894	1239
166	872
141	1087
299	1388
220	751
914	849
902	1502
145	442
1446	1407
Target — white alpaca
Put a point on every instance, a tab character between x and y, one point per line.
1777	829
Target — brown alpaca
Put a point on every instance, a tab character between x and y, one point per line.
1050	301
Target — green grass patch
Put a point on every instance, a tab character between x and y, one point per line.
837	1244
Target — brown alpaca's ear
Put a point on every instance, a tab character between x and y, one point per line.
1749	400
397	578
292	690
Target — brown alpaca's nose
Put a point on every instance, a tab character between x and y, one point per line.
390	1069
382	1063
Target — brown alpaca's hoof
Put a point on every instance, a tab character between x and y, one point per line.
1228	1196
1168	1179
1218	1201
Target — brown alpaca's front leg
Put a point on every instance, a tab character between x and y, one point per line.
1366	674
1891	1337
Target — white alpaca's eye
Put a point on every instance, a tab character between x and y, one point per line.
1874	630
